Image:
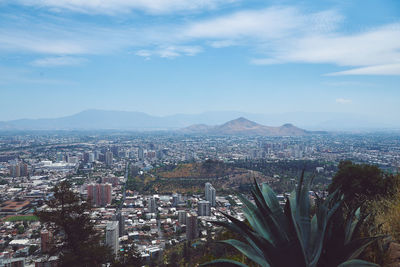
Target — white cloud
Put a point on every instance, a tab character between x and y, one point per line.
377	50
388	69
124	6
222	43
349	84
67	37
275	35
58	61
25	41
143	53
343	101
170	51
286	35
264	24
378	46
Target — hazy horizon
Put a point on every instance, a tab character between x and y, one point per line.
96	119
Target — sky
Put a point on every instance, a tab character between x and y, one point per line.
162	57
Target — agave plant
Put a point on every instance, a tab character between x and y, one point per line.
291	236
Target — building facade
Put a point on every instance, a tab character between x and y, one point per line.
100	194
112	236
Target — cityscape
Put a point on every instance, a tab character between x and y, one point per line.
103	168
187	133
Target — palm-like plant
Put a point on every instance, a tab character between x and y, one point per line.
290	236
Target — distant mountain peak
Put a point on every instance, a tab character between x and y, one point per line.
241	121
288	125
243	126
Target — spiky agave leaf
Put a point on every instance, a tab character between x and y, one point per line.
299	204
358	263
257	242
319	224
267	201
290	236
248	251
256	220
220	262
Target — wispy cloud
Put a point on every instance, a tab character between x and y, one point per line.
349	84
376	46
265	24
170	51
376	50
124	6
274	35
58	61
21	41
287	35
343	101
387	69
222	43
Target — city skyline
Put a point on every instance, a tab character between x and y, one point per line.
167	57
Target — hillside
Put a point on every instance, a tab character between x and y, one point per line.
243	126
200	123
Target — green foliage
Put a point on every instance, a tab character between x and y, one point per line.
292	236
21	229
32	249
24	218
362	182
129	256
77	241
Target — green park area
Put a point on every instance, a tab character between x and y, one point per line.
19	218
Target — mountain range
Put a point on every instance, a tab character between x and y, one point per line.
243	126
139	121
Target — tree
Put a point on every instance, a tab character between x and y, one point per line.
173	259
292	236
75	241
32	249
362	182
21	229
129	256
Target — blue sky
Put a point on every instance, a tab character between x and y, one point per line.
59	57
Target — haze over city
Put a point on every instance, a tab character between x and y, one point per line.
187	133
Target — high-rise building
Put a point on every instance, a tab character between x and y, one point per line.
86	157
109	158
97	155
141	154
175	200
44	241
210	194
204	208
182	216
115	150
19	169
60	157
207	190
191	226
112	236
100	194
92	157
14	170
121	223
152	205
